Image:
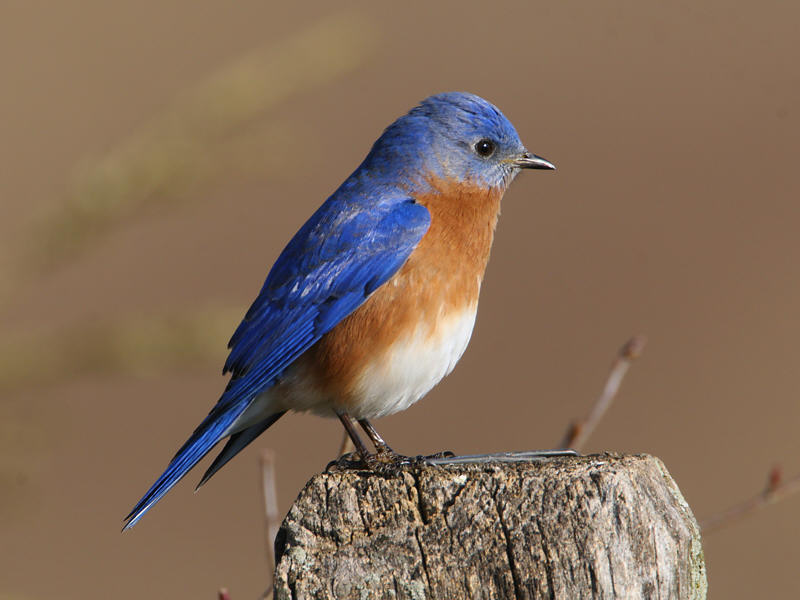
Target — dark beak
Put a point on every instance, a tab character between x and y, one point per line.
531	161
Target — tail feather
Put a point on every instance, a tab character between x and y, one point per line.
237	442
210	432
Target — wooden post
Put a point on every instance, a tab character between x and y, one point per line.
601	526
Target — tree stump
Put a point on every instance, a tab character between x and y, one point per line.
601	526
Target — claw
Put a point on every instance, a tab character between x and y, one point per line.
346	462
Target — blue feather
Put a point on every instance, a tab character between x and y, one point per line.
236	443
349	247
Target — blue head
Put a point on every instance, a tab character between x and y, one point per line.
454	136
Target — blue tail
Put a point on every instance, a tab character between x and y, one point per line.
211	431
237	442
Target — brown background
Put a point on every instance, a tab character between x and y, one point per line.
674	212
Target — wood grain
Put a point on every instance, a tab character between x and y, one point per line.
603	526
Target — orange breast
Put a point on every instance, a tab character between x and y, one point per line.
441	278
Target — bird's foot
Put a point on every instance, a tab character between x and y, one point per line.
346	462
388	456
442	454
421	460
385	461
389	463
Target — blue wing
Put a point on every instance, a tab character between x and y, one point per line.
348	248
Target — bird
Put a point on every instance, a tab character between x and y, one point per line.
374	299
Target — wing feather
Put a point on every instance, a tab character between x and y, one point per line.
349	248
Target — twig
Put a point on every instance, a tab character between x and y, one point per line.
346	446
498	457
270	500
775	490
579	431
270	509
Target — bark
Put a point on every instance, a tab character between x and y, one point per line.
602	526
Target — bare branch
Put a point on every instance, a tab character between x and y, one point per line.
579	431
346	446
269	487
272	520
775	490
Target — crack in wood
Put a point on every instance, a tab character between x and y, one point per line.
561	527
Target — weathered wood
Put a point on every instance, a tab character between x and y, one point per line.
602	526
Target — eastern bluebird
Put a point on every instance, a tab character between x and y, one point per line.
373	300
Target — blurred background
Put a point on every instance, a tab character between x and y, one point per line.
157	156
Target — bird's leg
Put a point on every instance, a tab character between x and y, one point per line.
380	445
383	452
387	455
350	427
385	461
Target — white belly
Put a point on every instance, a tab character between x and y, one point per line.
411	367
392	381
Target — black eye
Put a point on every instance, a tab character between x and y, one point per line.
484	147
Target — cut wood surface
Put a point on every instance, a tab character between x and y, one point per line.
601	526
